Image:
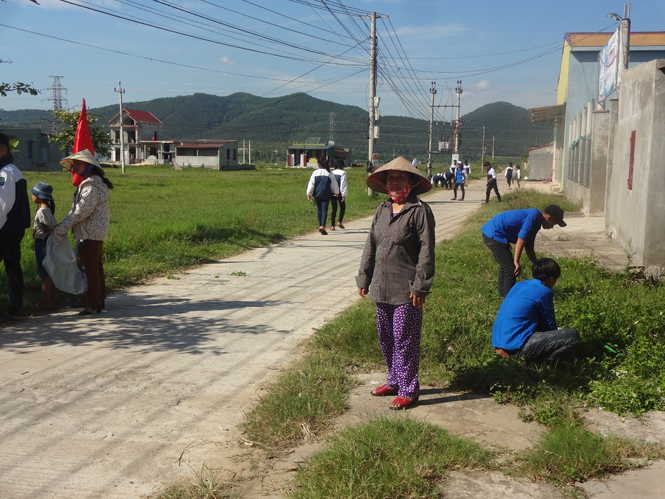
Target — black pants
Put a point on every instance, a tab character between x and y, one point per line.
333	209
459	184
10	253
509	180
504	257
322	210
548	345
492	185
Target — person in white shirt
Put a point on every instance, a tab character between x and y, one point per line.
322	185
453	167
508	174
518	175
467	170
491	183
340	176
415	163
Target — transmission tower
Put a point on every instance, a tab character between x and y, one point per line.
332	127
57	126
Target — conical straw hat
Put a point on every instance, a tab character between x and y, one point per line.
377	180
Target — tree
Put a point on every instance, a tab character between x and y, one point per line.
19	88
100	139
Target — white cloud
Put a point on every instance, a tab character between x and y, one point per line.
482	85
226	60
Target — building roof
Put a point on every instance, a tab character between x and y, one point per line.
581	41
205	144
138	116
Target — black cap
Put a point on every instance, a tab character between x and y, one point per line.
4	140
557	213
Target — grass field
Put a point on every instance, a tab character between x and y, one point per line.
165	221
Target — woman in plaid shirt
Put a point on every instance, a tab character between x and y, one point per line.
396	271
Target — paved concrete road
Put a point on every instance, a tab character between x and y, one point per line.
115	405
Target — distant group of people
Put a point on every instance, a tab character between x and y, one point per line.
456	178
88	218
328	185
397	271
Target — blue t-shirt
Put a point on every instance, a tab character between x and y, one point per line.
506	227
528	307
460	176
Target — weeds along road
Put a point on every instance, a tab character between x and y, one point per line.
118	404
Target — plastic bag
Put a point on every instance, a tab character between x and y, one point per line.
60	263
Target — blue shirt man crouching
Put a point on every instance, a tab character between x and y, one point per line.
526	325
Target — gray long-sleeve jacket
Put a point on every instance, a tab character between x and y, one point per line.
398	259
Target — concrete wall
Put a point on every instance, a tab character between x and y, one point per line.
582	82
540	163
588	163
635	216
211	162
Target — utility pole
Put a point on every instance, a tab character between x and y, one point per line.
431	130
57	126
458	90
492	146
250	152
624	44
373	99
332	127
122	129
243	151
482	161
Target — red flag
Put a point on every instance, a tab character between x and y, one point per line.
83	140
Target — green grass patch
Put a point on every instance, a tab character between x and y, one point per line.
301	404
165	221
394	457
569	453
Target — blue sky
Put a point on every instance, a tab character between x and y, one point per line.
443	41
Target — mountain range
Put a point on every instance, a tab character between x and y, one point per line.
273	123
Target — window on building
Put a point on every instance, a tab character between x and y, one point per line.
228	154
117	137
30	144
235	154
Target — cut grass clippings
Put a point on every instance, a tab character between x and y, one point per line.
207	485
394	457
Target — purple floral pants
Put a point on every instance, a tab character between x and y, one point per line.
399	328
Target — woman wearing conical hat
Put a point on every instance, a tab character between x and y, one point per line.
89	219
396	271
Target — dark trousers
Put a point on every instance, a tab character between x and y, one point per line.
492	185
333	209
504	257
509	180
459	184
90	253
548	345
322	210
10	253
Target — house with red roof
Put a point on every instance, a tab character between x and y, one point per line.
142	138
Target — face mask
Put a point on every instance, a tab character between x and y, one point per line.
399	196
77	179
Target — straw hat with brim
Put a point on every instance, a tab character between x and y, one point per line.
377	180
83	155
